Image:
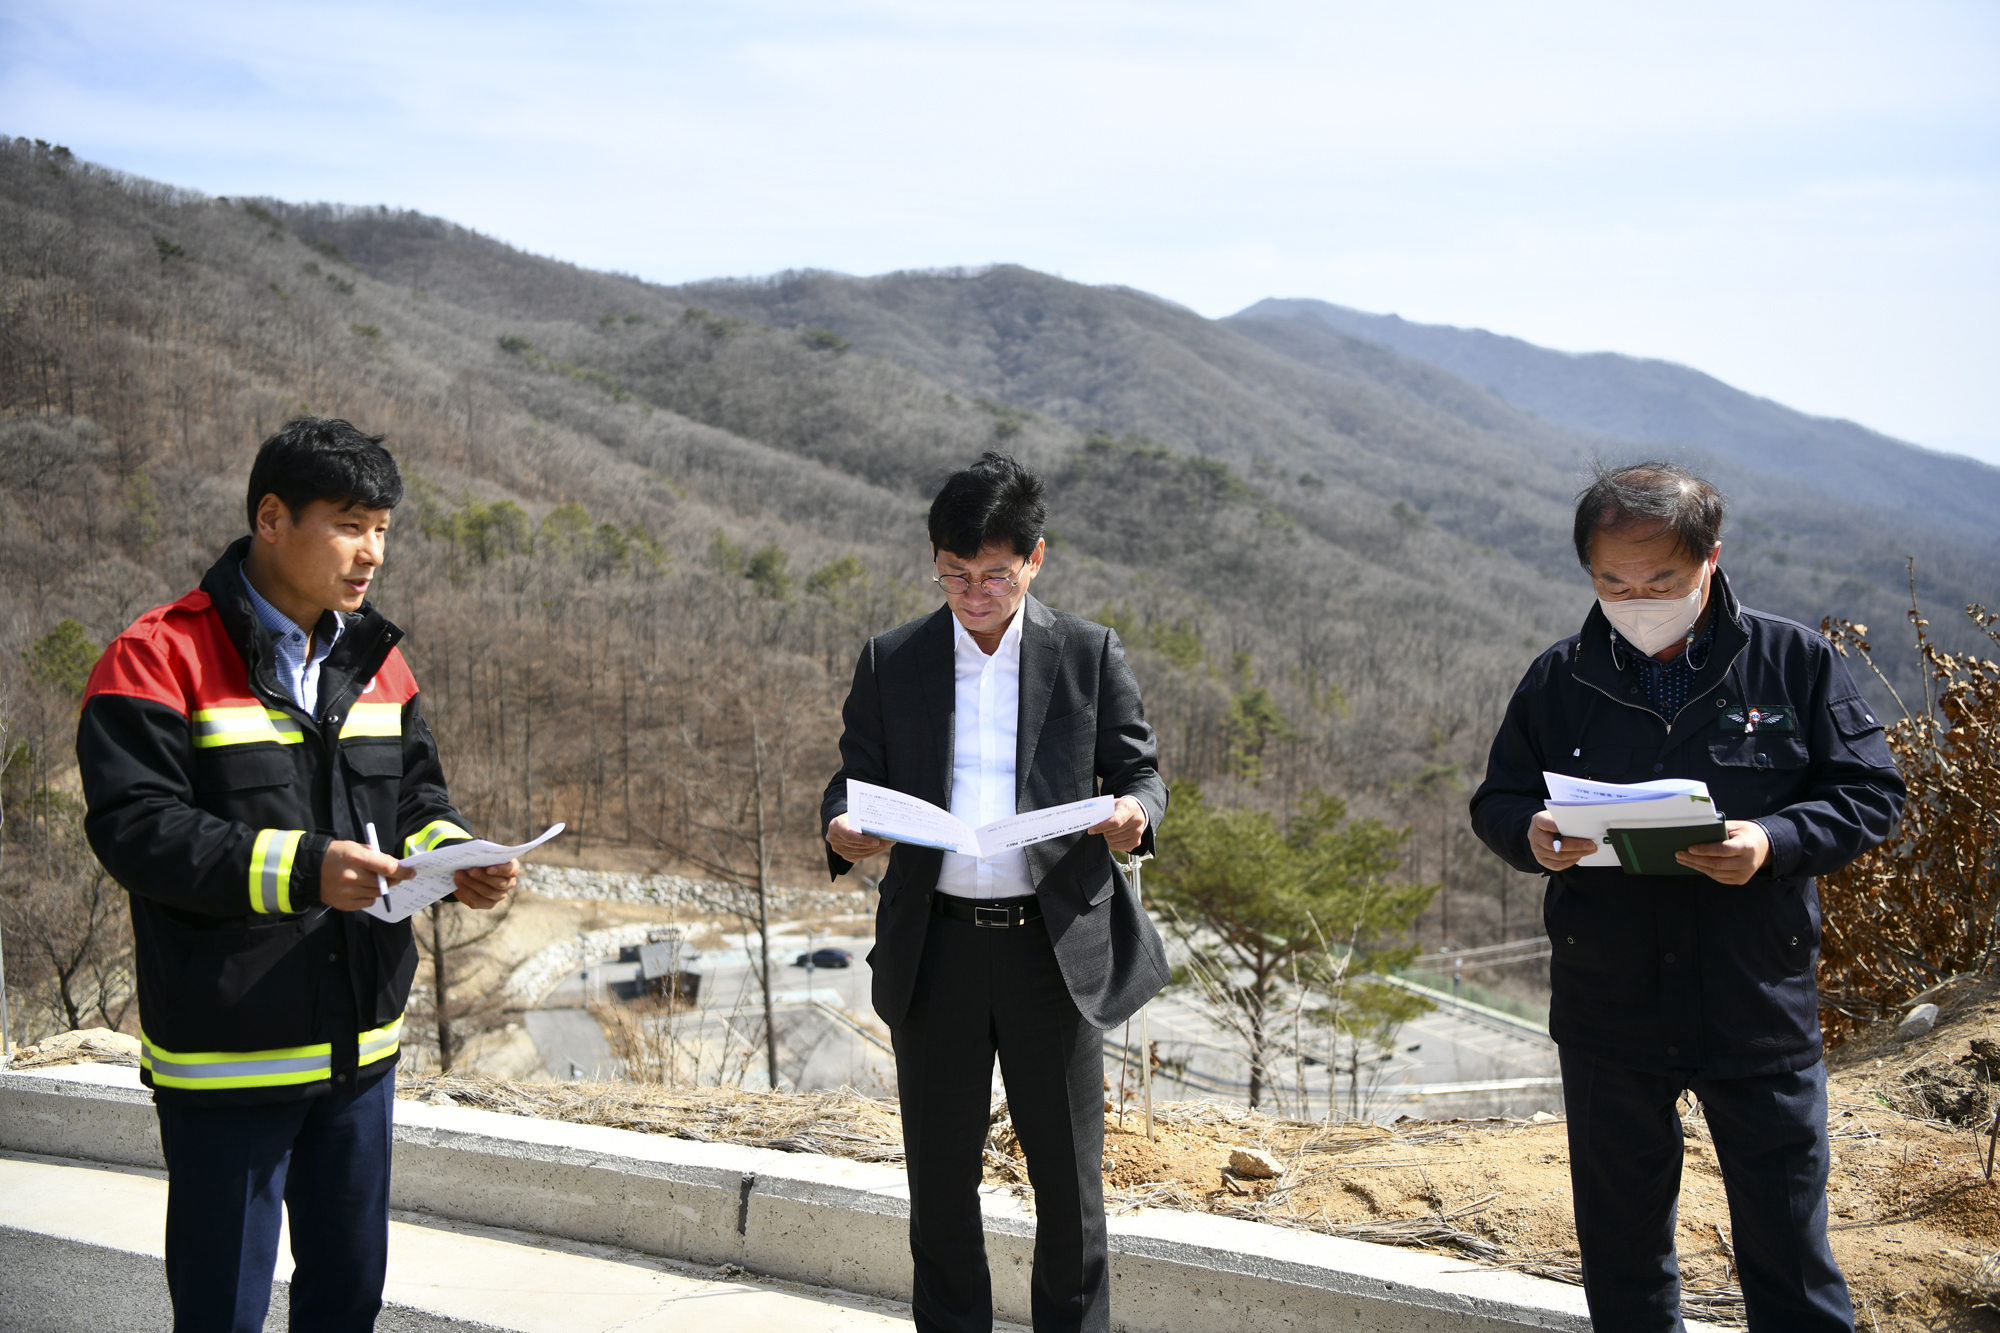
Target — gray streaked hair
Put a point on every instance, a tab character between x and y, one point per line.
1651	492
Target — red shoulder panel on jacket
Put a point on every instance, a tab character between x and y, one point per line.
393	684
159	657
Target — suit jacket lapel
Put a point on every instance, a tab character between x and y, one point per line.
1041	654
940	684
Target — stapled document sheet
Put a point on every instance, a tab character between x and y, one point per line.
436	868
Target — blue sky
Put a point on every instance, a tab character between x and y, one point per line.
1803	199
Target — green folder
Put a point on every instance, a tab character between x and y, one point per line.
1650	851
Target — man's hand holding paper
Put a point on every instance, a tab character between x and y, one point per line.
1553	848
1126	828
1588	818
479	873
851	843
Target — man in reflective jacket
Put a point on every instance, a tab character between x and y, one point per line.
1700	981
237	748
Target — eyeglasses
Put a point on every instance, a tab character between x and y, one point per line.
958	585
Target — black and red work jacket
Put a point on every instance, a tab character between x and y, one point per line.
212	797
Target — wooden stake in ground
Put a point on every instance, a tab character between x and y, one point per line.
1124	1066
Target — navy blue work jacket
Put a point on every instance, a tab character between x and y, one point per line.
1676	972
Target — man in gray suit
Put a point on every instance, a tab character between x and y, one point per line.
995	705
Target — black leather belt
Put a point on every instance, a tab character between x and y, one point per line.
998	913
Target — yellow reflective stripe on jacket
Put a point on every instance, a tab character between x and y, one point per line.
271	869
430	835
220	1070
373	720
244	726
381	1043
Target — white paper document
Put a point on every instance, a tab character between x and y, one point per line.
884	813
1587	809
435	869
1577	791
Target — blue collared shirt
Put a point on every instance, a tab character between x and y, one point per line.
297	672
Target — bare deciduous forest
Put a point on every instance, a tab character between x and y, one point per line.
647	524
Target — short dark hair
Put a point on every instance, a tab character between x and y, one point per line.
1652	492
994	500
323	458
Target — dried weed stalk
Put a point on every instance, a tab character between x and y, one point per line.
1920	909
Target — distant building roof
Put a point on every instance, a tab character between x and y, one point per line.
664	959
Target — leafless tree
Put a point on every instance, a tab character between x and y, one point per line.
741	782
448	937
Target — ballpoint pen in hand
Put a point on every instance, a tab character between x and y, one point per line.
382	885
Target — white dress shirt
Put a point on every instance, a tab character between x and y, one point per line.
985	727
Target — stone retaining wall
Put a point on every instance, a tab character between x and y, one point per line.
616	886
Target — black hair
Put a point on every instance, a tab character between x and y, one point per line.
323	458
1650	492
994	500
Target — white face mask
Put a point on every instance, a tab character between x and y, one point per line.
1651	623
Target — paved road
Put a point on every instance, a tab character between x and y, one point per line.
1434	1059
58	1285
571	1043
1445	1063
80	1249
828	1034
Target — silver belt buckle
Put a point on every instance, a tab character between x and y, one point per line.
998	918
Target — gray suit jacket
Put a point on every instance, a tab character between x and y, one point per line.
1081	725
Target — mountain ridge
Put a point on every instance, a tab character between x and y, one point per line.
1652	400
640	514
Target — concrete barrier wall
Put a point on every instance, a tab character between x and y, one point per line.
833	1222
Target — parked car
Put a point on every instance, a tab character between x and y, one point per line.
825	958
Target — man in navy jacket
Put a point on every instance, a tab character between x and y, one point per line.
1700	982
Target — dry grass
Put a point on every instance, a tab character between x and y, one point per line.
835	1124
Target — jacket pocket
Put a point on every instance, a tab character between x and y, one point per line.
374	759
1070	721
241	986
1107	887
1772	751
1861	732
1603	943
375	787
231	768
1763	996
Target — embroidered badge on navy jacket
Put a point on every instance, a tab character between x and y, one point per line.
1760	717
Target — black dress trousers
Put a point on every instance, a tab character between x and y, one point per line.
1625	1152
982	991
